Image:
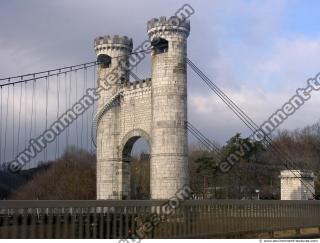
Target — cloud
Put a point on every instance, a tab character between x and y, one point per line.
243	46
258	64
215	119
292	61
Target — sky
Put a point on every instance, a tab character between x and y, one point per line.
258	52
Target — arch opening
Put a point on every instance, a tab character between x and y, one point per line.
136	169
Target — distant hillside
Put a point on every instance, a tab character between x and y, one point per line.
9	182
72	177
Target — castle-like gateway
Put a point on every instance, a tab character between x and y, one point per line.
154	109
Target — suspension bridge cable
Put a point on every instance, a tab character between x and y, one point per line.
46	119
58	138
31	116
1	125
69	103
201	140
44	76
25	114
87	112
57	114
31	119
32	77
204	142
93	110
35	110
132	74
70	68
231	105
66	100
211	147
13	129
6	127
76	90
83	91
51	71
252	126
209	83
221	96
207	140
61	70
19	118
238	111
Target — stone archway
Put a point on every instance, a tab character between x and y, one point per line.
157	105
126	151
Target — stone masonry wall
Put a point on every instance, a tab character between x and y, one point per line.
297	185
155	110
169	162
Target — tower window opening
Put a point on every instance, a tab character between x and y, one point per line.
104	60
159	45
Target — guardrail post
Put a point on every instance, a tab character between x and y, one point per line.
117	219
271	234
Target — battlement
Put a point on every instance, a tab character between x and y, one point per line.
168	24
136	85
297	173
116	41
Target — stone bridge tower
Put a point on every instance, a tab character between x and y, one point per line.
155	109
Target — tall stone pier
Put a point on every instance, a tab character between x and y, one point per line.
154	109
169	108
109	165
297	185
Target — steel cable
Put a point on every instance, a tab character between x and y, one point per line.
19	118
241	115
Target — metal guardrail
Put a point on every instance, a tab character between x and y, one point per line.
133	219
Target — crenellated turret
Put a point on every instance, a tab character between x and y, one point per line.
172	24
112	42
169	105
112	52
154	109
